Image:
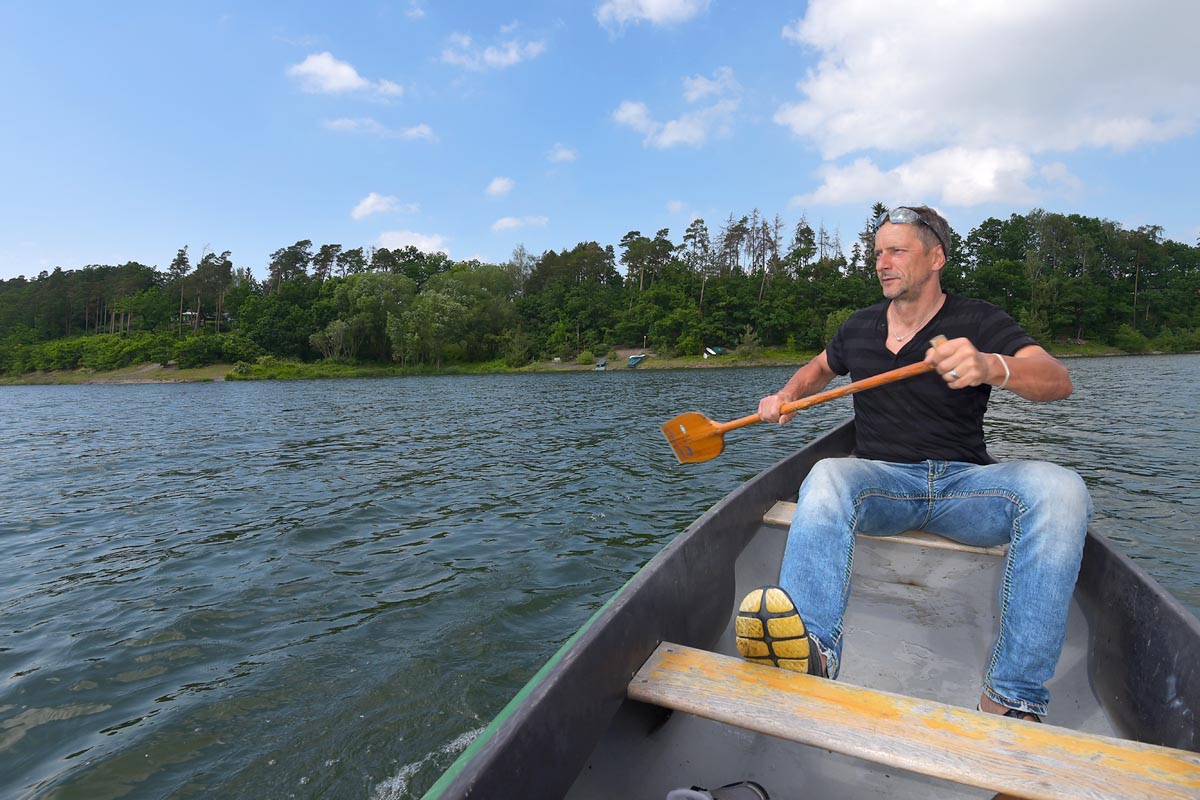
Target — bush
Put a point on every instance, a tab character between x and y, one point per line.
162	350
1177	341
198	351
235	348
103	352
15	358
1034	323
689	345
1131	340
143	347
59	354
517	350
749	347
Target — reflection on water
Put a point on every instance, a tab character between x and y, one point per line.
325	589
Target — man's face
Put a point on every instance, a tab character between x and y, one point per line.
902	262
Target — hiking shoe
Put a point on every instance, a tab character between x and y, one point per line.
769	630
1017	713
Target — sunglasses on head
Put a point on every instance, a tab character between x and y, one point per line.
903	215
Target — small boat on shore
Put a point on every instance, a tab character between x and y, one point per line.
635	359
649	695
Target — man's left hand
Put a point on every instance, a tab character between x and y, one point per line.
959	363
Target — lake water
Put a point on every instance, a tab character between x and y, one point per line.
324	589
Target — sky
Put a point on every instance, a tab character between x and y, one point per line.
131	129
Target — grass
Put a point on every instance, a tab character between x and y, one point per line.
1072	350
283	369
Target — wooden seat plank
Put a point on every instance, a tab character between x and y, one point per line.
782	512
1024	759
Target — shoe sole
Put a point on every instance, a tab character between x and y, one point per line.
769	630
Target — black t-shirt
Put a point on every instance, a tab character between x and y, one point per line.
921	418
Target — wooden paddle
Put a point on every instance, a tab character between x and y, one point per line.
695	438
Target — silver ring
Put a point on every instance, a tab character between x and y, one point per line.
954	374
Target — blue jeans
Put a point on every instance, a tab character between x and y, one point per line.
1040	510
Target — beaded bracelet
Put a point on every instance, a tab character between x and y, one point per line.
1007	372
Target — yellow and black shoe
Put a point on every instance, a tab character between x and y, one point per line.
769	631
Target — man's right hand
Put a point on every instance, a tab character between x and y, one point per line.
809	379
768	409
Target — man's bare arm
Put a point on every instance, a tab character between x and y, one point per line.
1032	373
808	380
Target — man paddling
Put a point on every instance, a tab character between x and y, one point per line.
922	463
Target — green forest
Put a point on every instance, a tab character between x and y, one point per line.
750	283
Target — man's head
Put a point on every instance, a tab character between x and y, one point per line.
931	228
910	250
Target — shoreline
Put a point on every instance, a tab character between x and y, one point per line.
288	370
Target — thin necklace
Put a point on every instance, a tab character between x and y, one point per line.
922	323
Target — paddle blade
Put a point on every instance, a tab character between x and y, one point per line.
694	437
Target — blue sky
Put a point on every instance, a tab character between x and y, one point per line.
131	129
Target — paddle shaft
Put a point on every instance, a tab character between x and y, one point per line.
882	378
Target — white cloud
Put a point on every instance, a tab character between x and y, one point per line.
793	31
560	154
722	83
421	131
415	10
979	92
634	115
321	73
426	243
462	51
500	186
676	206
373	204
389	89
955	176
356	125
379	204
618	13
509	223
1006	77
1059	178
376	128
693	128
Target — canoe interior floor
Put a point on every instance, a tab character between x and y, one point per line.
921	622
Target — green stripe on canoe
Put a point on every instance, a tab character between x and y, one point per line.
482	739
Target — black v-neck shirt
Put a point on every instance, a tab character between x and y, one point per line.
921	418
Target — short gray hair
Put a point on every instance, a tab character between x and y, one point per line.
938	231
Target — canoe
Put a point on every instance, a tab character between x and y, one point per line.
648	696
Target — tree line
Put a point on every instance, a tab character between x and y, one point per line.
1063	277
